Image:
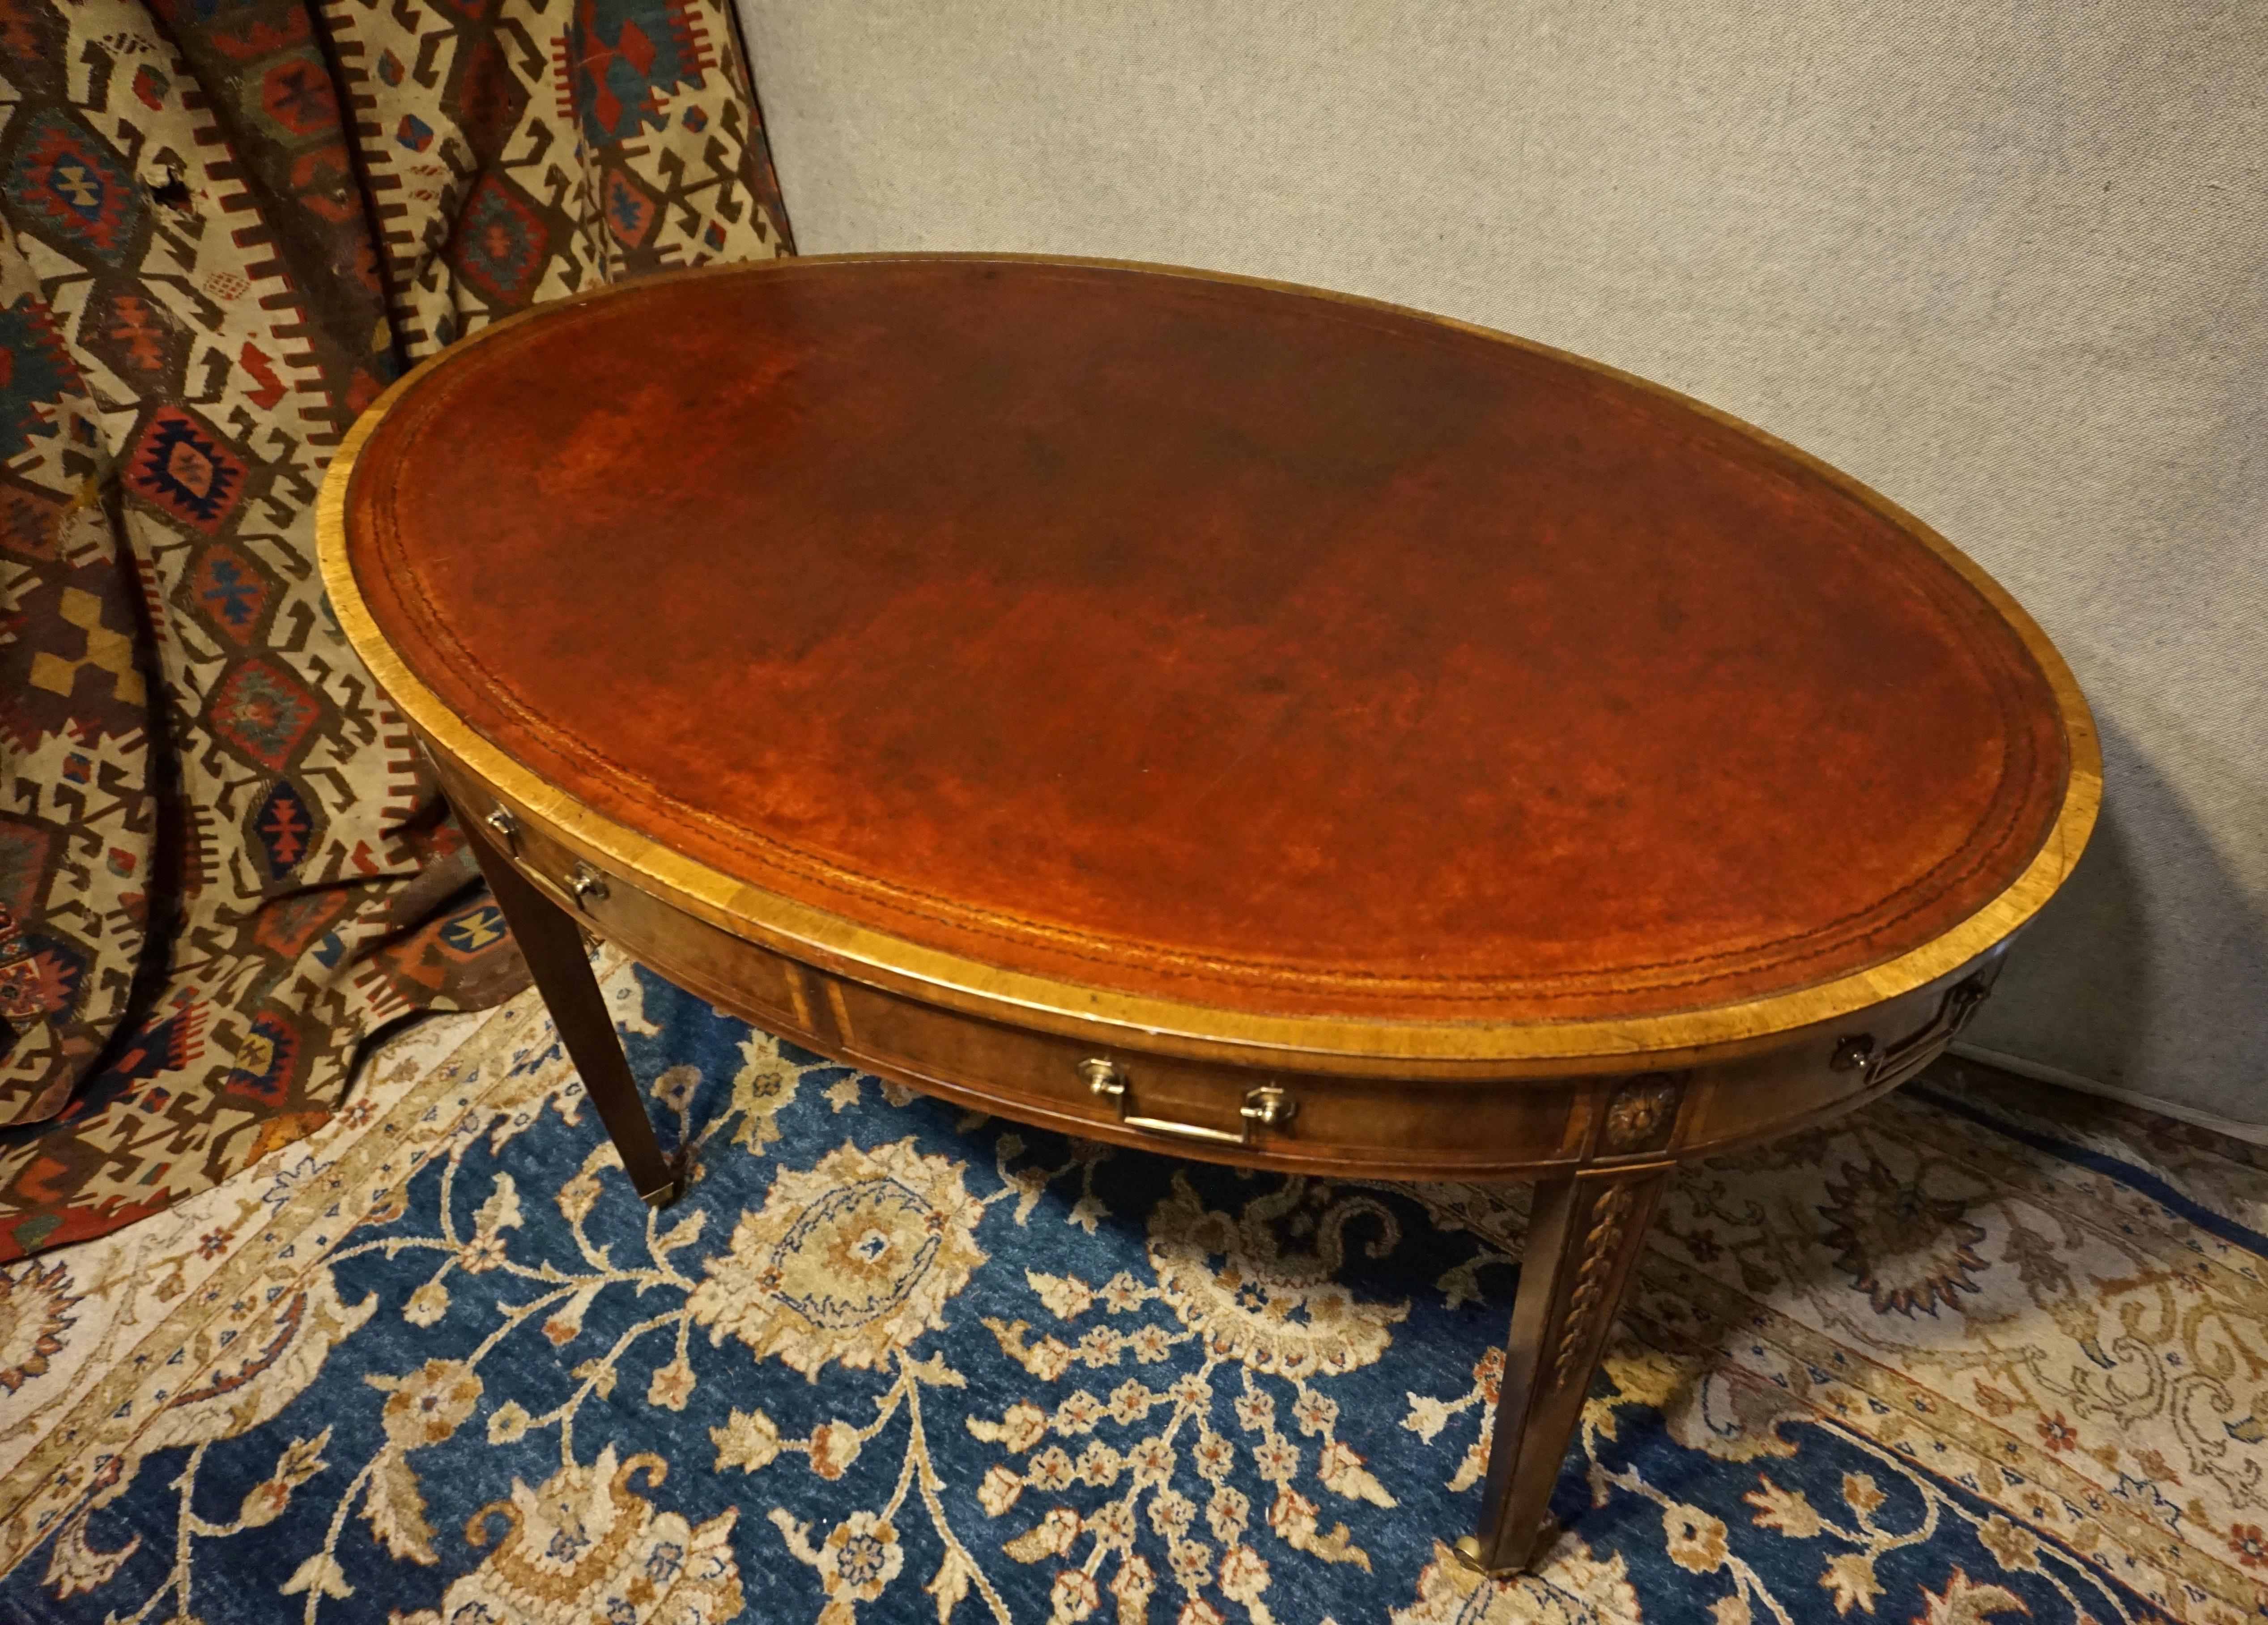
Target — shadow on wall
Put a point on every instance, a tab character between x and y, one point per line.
2150	965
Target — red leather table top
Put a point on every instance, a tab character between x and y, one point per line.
1181	636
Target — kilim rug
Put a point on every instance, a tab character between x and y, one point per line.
1975	1355
224	226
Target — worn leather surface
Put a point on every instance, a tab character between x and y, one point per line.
1188	638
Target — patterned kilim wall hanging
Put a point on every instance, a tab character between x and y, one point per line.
228	224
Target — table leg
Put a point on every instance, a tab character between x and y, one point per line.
553	947
1584	1233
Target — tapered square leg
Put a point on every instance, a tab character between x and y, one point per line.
553	947
1584	1233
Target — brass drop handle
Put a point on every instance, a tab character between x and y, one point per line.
1267	1106
1918	1047
588	886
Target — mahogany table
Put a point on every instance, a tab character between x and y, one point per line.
1213	716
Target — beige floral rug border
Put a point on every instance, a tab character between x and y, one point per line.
154	1307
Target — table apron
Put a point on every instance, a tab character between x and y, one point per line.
1383	1124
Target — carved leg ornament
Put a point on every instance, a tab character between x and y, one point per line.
1583	1235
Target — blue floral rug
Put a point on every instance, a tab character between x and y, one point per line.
885	1362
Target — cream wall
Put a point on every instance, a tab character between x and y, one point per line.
2008	264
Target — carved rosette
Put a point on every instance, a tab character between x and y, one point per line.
1641	1114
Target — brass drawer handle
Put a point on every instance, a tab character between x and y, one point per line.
1267	1106
507	829
1917	1048
588	886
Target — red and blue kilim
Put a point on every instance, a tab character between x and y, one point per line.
228	224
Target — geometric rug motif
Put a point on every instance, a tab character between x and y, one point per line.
1971	1357
224	229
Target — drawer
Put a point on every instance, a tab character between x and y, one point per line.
1381	1126
765	988
1836	1068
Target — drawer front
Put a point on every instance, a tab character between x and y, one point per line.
753	982
1825	1073
1380	1126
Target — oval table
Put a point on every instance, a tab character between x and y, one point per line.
1213	716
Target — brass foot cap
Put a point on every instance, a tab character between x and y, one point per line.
1468	1552
681	1168
1467	1549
